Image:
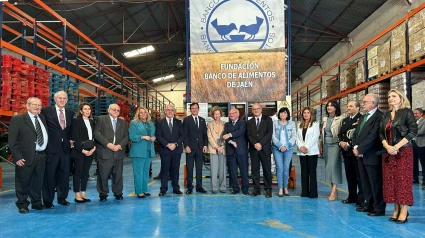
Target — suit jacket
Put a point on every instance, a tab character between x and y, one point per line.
80	134
346	132
23	138
420	137
195	137
104	134
141	147
165	137
58	138
262	136
214	132
311	141
238	132
367	140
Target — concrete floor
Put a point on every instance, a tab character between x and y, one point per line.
203	215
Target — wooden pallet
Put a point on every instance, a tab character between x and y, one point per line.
397	67
417	59
384	73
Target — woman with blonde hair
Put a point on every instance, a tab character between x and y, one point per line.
398	128
308	133
142	136
216	150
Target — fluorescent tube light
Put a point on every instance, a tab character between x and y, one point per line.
139	52
163	78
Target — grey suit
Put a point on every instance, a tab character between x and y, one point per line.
108	159
419	151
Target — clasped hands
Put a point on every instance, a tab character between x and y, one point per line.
149	138
356	153
304	149
392	150
113	147
88	152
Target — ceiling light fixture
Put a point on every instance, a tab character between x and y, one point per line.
139	52
180	63
163	78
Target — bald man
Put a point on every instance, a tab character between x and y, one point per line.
111	135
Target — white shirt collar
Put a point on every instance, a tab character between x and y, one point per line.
58	109
372	112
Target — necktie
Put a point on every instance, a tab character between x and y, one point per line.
115	125
233	123
196	122
61	119
170	126
40	140
363	122
258	123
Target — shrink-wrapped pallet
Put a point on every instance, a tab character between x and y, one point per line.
384	58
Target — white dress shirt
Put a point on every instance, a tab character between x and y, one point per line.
43	129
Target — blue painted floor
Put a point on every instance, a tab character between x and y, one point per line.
203	215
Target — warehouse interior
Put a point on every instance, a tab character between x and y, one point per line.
136	53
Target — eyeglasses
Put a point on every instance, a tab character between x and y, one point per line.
115	110
256	109
364	101
169	110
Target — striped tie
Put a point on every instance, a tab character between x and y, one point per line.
40	140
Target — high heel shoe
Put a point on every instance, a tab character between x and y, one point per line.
394	219
402	221
335	197
141	196
86	200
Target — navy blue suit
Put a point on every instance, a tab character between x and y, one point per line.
170	158
237	157
196	138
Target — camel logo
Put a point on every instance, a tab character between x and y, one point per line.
235	25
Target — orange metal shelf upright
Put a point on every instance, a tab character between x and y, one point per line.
409	67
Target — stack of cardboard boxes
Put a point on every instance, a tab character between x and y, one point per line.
372	62
384	59
348	78
398	47
417	36
360	72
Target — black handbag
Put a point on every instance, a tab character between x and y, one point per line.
87	144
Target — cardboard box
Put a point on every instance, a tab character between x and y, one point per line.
373	72
384	58
418	98
372	52
398	53
417	22
360	72
348	78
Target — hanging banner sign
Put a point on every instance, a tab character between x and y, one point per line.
237	50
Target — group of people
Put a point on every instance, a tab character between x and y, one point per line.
376	148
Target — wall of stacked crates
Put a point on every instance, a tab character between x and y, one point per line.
21	80
127	111
60	83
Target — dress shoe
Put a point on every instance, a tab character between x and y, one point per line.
233	192
103	199
402	221
157	178
118	196
147	194
255	193
214	191
141	196
23	210
161	194
177	192
201	190
347	201
363	209
359	204
86	200
189	191
423	183
63	202
280	195
423	188
268	194
246	193
49	205
376	213
39	207
222	191
287	194
79	201
415	181
393	219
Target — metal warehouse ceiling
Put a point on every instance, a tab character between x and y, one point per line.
121	26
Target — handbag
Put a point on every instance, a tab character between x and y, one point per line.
87	144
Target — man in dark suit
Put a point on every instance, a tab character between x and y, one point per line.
236	151
350	162
195	143
27	142
111	135
169	133
59	123
366	144
260	131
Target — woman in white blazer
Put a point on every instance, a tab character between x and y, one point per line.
308	133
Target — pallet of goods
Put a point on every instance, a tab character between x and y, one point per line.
20	81
372	62
381	89
418	92
398	47
399	81
360	72
384	59
416	32
348	78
